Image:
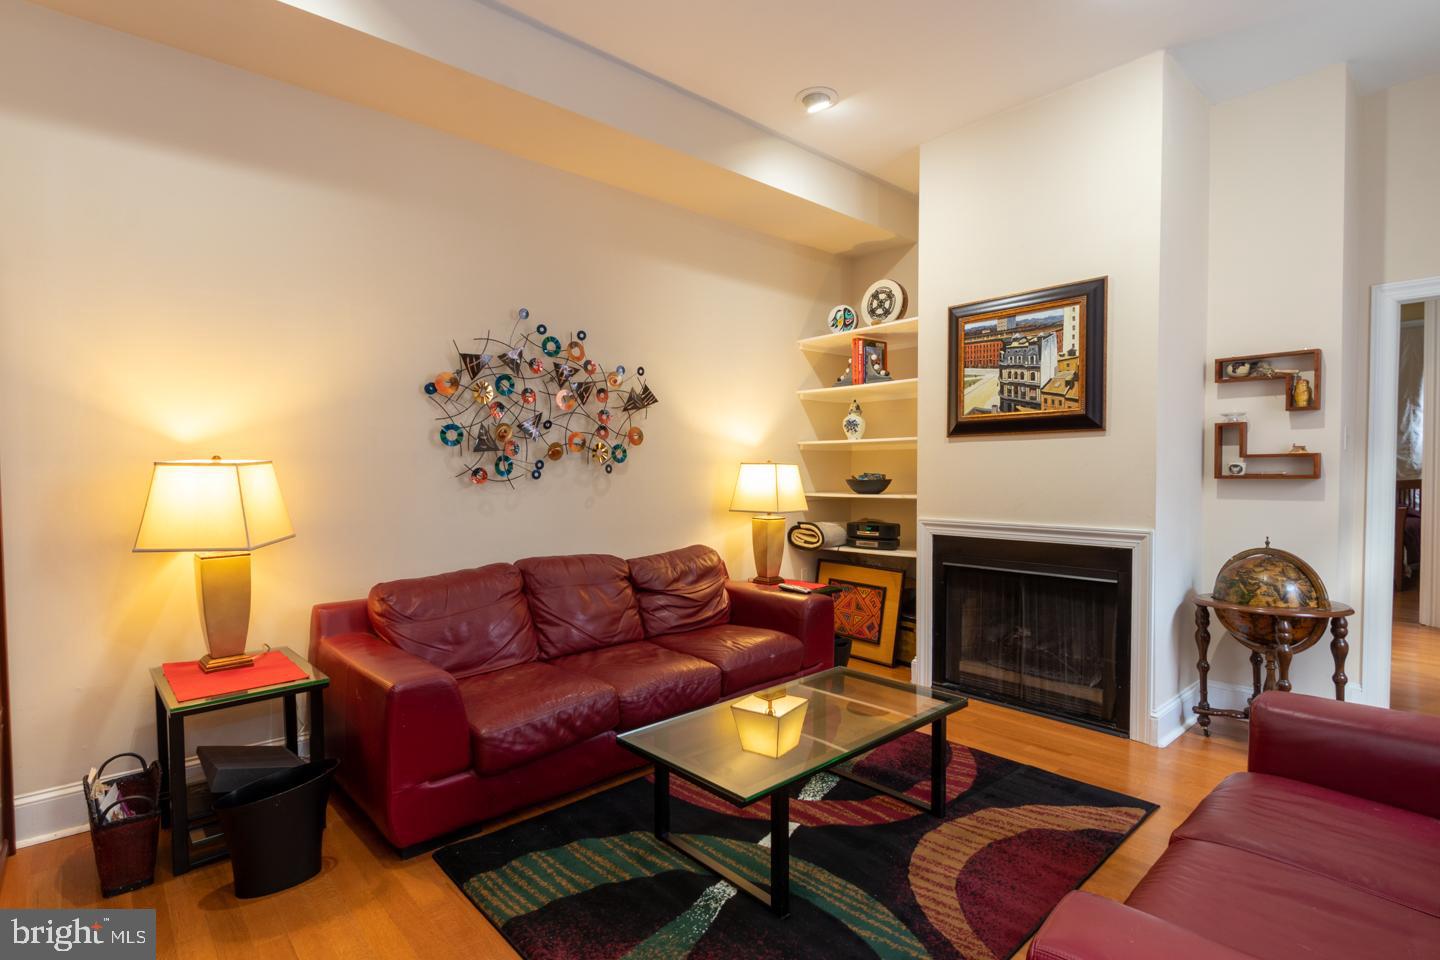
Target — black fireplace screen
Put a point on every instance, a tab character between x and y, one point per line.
1050	637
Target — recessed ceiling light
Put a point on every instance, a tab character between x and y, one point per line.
815	99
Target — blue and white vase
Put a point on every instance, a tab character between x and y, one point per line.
854	423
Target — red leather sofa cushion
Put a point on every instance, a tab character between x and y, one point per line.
1267	908
680	590
652	683
1085	926
466	622
746	656
532	709
1386	851
1389	756
579	603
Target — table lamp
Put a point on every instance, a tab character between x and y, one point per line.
768	490
220	510
769	723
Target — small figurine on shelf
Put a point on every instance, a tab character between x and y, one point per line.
1301	394
1237	368
1263	369
854	423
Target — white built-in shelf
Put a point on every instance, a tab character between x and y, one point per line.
869	443
852	495
872	553
898	333
879	390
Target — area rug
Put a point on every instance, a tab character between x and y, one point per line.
870	876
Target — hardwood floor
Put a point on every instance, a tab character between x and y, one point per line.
1414	659
368	903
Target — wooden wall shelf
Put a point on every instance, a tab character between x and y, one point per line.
1311	360
1309	460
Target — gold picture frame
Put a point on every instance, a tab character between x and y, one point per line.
867	610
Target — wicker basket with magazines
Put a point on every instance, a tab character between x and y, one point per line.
124	825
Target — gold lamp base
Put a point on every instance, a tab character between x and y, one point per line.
767	531
211	664
222	587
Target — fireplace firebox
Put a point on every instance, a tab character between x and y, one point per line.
1040	626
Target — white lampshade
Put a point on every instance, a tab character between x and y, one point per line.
212	506
768	488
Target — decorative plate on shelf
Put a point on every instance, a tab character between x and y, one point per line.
843	319
886	300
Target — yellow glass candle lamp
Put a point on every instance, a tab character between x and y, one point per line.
769	723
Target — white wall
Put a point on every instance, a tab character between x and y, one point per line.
1061	189
195	260
1279	181
1108	177
1400	181
1180	393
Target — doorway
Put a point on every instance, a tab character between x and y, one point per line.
1401	613
1415	639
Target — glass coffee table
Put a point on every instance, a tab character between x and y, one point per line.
845	713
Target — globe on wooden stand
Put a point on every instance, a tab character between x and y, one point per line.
1275	604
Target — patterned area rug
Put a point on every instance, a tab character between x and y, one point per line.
870	876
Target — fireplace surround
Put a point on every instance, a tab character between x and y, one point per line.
1139	718
1040	626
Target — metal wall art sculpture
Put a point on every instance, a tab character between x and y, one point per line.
512	406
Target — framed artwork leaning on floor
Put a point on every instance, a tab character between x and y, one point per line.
867	608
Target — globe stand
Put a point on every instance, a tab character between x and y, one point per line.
1282	633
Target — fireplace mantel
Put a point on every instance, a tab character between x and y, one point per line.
1144	725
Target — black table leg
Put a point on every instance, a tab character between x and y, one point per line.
162	755
179	798
780	853
662	801
937	767
292	725
317	725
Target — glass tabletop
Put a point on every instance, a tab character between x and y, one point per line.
846	713
312	678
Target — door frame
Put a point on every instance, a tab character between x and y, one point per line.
1378	596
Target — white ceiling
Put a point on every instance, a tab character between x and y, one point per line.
910	70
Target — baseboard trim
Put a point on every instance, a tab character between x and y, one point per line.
55	812
1172	718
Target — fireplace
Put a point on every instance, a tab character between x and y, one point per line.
1037	625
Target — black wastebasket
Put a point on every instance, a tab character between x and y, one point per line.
273	827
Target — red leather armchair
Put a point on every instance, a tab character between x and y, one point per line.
460	697
1328	847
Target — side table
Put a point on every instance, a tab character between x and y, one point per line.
195	837
1274	635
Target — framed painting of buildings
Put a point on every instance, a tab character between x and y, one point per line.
1029	361
867	608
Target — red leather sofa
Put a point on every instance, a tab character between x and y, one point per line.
1329	847
460	697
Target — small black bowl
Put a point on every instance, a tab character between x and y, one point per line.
868	485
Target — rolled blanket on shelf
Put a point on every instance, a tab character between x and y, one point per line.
814	536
